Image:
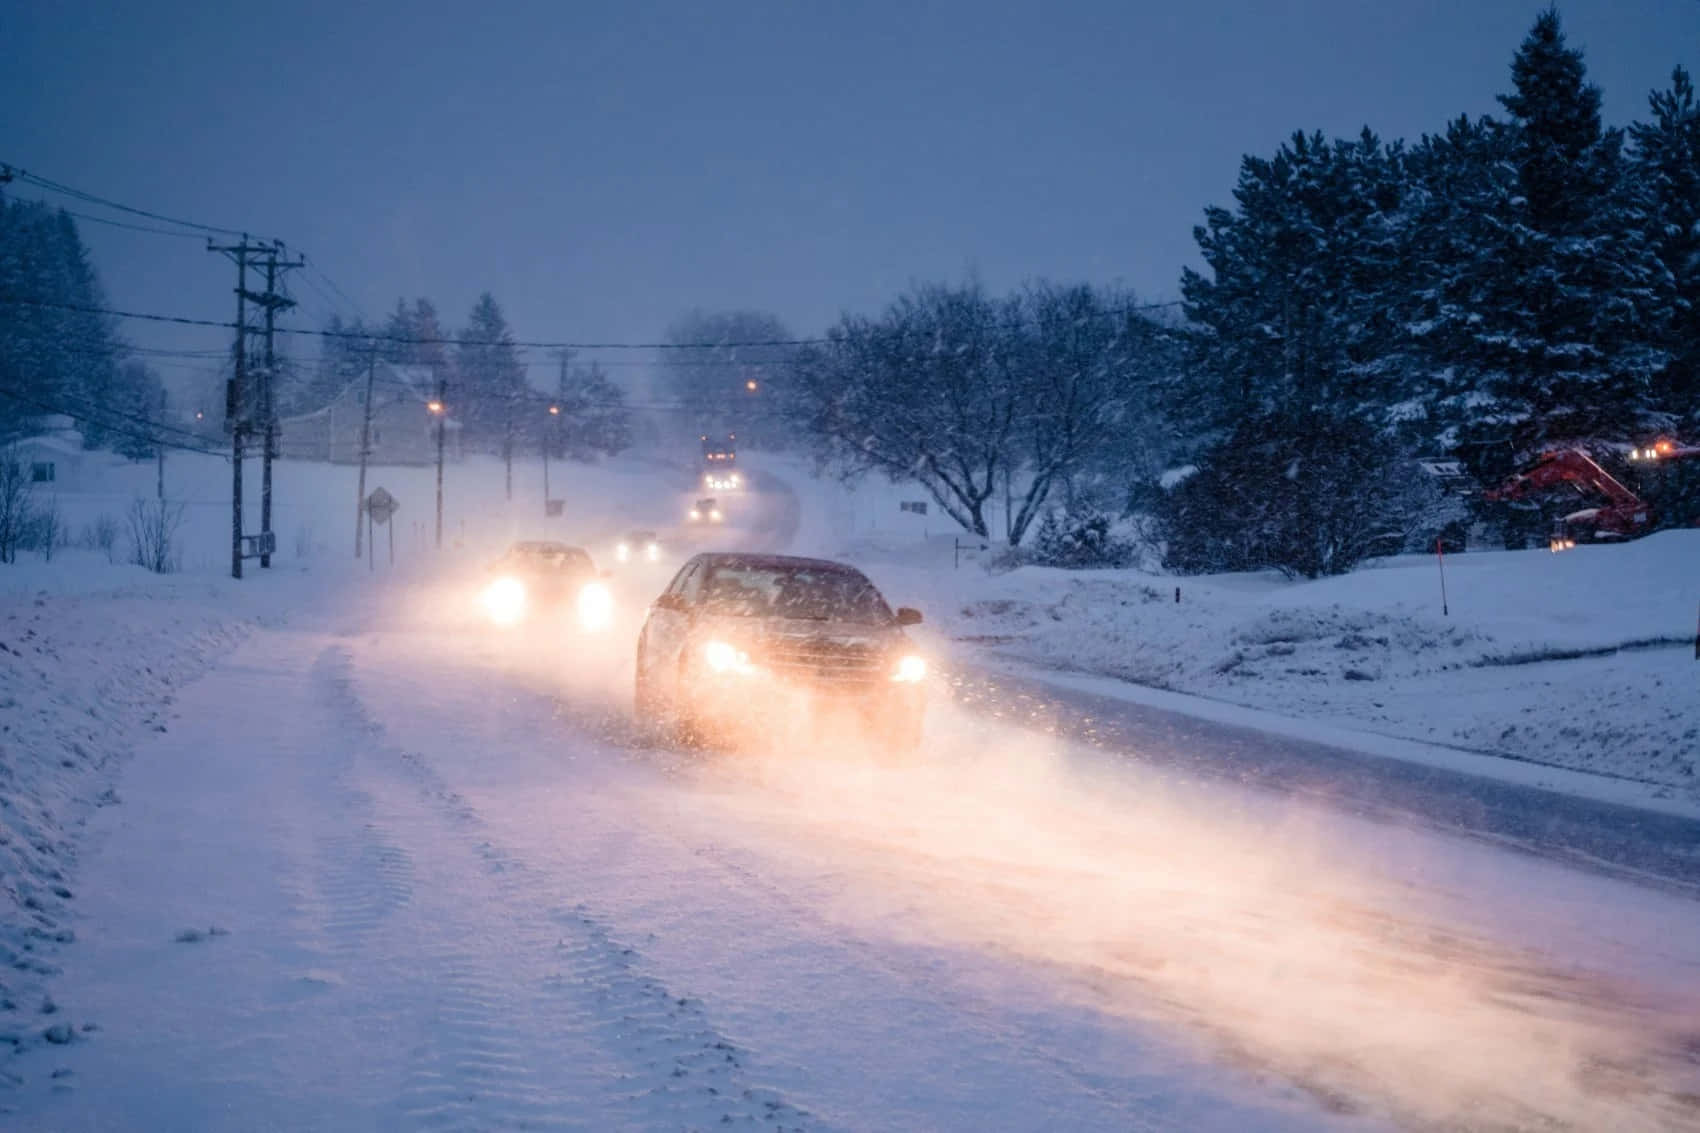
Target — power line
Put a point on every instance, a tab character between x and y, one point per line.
82	195
151	438
118	223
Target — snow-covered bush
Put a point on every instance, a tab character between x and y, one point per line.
153	534
1083	537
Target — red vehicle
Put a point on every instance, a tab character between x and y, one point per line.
1624	514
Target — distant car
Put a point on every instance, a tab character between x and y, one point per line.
546	578
736	636
638	547
706	511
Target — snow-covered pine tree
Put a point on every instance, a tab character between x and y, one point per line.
1666	159
1301	308
1554	320
56	352
489	379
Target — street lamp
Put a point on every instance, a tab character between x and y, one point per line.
434	406
751	385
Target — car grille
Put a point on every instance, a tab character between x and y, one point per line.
826	663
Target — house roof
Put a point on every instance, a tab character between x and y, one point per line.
71	445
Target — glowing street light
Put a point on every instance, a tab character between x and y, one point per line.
434	406
554	411
751	385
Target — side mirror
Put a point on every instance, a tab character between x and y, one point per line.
908	616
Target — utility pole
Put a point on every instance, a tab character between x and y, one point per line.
441	408
159	450
235	409
273	303
238	402
365	447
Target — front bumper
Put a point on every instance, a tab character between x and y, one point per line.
762	705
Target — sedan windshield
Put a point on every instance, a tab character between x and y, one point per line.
810	593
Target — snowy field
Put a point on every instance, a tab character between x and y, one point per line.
383	867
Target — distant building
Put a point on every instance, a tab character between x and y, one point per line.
404	430
54	459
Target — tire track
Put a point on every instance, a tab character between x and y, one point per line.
564	981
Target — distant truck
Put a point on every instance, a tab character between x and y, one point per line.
720	464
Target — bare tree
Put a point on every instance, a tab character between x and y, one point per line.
15	488
928	392
153	534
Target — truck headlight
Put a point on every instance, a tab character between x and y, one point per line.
504	601
910	669
595	606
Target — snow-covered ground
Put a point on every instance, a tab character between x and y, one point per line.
388	868
1581	660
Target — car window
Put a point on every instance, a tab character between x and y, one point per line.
808	593
684	583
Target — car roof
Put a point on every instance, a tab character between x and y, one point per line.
776	562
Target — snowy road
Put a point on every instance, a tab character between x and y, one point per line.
442	882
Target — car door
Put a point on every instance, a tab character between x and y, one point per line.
669	623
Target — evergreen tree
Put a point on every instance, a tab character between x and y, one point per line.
1667	163
343	355
138	390
1301	308
1555	319
593	420
489	378
57	354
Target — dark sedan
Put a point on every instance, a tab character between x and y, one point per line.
742	643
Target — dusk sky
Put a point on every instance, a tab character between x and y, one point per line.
604	168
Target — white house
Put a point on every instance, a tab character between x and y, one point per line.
403	425
54	459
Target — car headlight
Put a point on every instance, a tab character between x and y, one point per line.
715	515
695	514
735	480
504	601
910	669
723	658
653	552
595	606
622	552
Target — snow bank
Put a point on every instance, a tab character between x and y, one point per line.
1581	660
81	675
